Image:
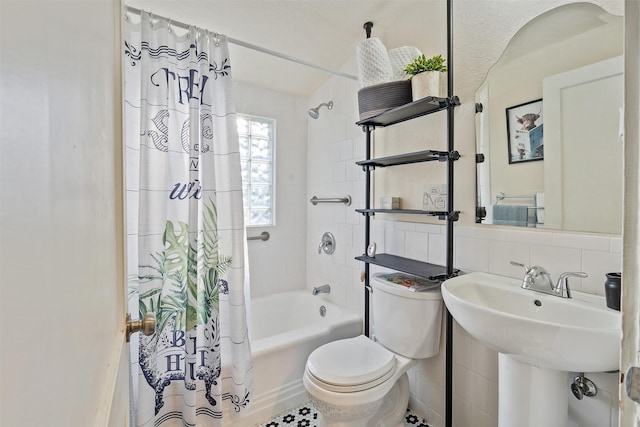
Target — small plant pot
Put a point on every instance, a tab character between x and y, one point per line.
428	83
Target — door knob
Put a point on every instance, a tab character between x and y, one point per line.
147	325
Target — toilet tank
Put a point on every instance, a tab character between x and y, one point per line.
406	322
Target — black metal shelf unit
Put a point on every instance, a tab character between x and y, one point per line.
412	110
422	107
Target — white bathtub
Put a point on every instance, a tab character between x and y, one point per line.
284	329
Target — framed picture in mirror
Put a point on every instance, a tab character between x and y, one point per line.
525	132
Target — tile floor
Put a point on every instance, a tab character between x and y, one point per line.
306	416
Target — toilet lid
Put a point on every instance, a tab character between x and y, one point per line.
351	362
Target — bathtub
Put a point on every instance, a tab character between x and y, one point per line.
284	329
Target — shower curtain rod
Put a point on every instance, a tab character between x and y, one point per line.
256	47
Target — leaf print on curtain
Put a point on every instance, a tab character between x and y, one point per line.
185	230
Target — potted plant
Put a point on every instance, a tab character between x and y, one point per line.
426	76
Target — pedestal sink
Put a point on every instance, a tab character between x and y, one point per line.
540	339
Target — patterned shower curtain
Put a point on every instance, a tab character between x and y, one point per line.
186	239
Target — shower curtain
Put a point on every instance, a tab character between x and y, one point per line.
185	230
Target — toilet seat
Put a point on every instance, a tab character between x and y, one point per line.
350	365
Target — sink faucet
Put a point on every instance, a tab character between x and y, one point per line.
535	278
538	279
324	289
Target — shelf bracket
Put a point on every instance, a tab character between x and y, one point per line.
452	155
443	277
454	215
453	101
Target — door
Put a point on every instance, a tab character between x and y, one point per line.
630	409
61	267
583	182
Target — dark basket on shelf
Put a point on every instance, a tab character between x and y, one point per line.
376	99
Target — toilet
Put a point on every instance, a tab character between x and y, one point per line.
361	382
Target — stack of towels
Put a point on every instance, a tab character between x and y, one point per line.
378	65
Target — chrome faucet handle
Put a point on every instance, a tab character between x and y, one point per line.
526	267
527	280
563	283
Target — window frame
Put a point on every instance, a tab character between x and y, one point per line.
273	125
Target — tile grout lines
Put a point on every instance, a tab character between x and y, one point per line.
307	416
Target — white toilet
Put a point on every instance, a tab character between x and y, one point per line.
359	382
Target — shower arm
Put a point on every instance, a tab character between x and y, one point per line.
367	28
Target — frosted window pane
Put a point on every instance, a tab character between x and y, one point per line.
260	217
256	140
245	197
244	172
260	173
244	147
260	129
260	149
243	126
260	196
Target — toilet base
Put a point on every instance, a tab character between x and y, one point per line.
394	405
386	412
345	416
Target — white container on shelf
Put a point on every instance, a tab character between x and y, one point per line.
389	202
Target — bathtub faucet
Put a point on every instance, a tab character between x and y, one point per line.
324	289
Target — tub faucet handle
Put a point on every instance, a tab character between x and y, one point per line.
327	244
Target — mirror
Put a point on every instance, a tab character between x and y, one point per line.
549	128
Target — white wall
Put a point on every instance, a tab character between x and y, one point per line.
335	144
279	264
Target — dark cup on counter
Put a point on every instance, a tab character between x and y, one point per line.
612	290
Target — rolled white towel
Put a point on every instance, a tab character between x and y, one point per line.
400	57
374	66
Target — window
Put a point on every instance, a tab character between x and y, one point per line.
257	152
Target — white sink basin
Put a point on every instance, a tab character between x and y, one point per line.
578	335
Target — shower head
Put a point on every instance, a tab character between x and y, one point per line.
314	112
